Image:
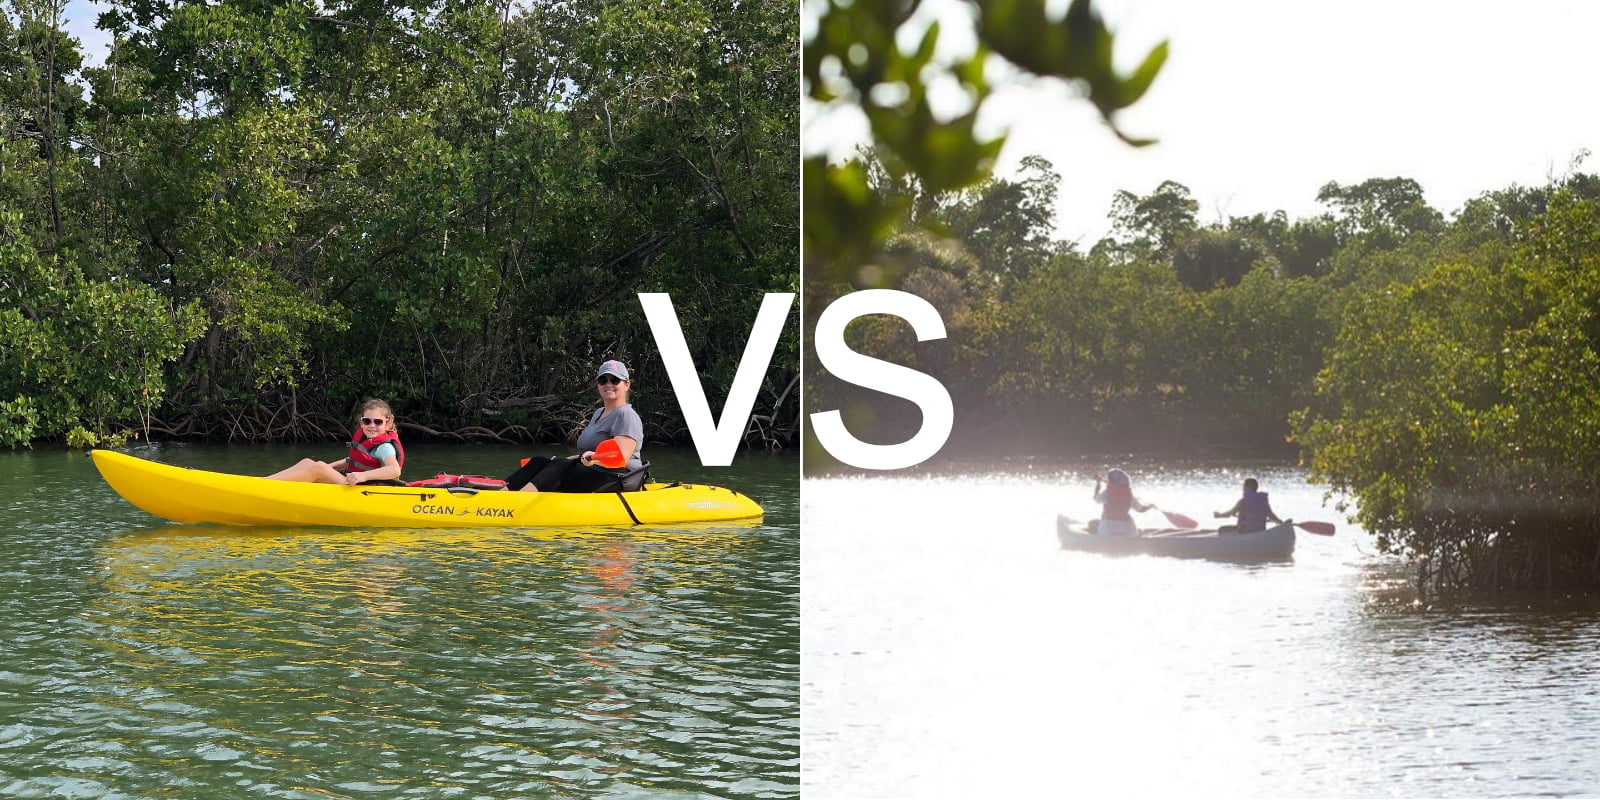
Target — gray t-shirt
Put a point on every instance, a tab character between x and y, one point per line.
622	422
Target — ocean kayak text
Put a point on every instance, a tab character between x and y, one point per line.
425	508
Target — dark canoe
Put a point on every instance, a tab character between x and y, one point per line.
1272	544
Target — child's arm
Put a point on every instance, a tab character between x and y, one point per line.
390	469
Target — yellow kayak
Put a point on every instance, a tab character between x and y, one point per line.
183	494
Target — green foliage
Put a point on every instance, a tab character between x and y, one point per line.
1151	226
1459	410
844	210
1259	347
1211	258
856	59
1090	338
1302	248
927	170
81	439
79	353
1385	210
450	205
1078	46
1003	224
19	422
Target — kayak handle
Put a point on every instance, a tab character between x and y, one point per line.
424	495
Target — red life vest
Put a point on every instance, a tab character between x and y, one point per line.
361	459
445	480
1119	500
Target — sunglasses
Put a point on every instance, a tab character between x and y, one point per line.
605	379
371	421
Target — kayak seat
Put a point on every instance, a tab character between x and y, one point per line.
630	481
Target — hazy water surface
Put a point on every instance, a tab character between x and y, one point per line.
951	649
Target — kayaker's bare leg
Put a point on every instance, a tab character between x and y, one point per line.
529	488
309	470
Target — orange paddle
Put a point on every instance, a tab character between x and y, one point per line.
609	455
1180	520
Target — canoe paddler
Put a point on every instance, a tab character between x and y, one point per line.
1253	510
1116	501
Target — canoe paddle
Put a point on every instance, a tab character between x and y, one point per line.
1318	528
1179	520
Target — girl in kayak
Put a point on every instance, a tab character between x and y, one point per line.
1115	502
375	453
1253	511
615	419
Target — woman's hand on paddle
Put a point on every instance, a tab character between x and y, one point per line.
612	453
587	459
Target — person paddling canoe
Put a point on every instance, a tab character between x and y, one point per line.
1253	510
1116	501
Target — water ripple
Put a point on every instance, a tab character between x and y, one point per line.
951	650
278	663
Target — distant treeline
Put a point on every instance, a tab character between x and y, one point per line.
256	214
1442	370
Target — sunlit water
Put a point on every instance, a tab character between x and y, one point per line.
142	659
952	649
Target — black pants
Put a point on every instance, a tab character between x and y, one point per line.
561	475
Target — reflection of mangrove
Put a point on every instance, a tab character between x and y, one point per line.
187	560
352	635
251	539
212	592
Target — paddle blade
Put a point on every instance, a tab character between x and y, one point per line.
1318	528
1180	521
609	455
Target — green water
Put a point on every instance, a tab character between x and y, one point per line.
140	659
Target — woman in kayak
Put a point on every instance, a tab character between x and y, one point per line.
615	419
1253	511
375	453
1115	502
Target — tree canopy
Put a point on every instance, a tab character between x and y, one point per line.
260	212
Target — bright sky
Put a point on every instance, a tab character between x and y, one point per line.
79	19
1262	102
